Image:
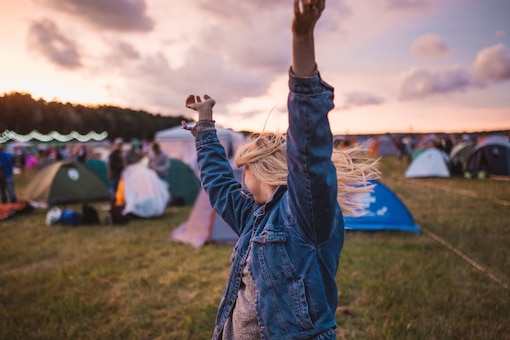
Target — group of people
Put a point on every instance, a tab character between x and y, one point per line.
118	160
137	176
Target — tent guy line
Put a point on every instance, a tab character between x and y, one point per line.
464	257
463	192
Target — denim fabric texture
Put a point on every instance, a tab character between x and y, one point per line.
297	236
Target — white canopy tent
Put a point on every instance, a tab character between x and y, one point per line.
178	143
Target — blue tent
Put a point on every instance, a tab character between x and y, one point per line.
385	211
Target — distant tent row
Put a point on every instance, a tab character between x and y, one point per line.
490	157
66	182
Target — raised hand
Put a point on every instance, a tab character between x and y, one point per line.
306	14
204	108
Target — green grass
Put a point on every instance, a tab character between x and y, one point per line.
133	282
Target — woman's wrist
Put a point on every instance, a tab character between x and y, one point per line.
203	125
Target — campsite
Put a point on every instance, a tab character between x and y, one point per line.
449	280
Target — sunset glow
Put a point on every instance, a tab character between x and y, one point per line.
397	66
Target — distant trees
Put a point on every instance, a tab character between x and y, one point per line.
20	113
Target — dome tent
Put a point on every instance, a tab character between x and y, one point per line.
183	182
459	157
491	156
204	225
429	163
65	182
384	211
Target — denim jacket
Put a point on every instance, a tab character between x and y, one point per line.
297	236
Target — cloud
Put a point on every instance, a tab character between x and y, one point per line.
356	99
229	62
125	50
492	64
153	80
405	4
118	15
119	53
500	34
429	45
45	37
417	83
229	53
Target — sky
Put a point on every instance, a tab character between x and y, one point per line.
396	65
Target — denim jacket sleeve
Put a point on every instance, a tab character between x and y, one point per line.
312	181
218	180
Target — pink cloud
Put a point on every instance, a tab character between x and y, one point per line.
356	99
492	64
429	45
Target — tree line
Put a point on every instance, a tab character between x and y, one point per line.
21	113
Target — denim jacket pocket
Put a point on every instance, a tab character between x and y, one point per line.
269	237
300	306
271	255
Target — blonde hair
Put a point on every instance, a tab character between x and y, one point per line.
265	155
354	169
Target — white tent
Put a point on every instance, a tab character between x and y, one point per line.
178	143
429	163
145	194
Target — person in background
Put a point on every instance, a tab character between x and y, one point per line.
81	153
7	176
115	165
159	161
134	154
19	159
64	152
288	211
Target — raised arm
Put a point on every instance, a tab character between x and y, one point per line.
306	14
223	189
311	180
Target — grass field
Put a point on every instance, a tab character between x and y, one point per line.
133	282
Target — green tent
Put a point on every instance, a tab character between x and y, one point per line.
184	183
100	168
65	182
